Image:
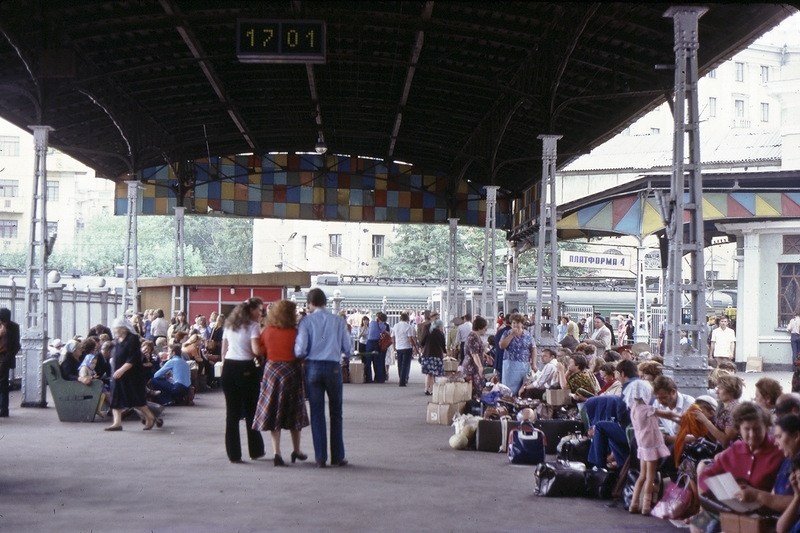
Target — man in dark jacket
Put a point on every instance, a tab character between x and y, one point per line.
9	348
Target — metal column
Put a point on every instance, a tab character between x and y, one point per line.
130	289
688	364
178	263
34	325
489	258
548	245
640	333
452	273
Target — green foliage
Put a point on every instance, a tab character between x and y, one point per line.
212	246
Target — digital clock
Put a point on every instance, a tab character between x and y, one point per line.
280	41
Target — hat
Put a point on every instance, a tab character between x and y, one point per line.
70	346
119	323
708	399
57	343
457	321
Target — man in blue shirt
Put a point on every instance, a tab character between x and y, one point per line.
178	387
322	339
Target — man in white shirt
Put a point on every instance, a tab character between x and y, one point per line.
601	333
723	341
549	375
794	332
404	335
463	332
668	398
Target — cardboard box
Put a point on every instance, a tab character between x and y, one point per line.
558	397
451	391
754	364
356	372
489	436
443	413
450	366
746	523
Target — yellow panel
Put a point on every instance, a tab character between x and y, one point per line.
280	159
227	191
343	196
332	162
570	221
416	215
149	191
161	206
651	221
710	212
380	182
763	209
319	195
200	205
292	210
356	213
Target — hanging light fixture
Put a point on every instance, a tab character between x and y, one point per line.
321	147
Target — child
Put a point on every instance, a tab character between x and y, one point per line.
650	442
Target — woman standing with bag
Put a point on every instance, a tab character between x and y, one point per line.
376	328
474	348
241	377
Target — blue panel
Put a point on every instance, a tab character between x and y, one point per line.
428	200
306	195
253	209
267	178
148	206
279	178
343	165
121	206
293	195
226	206
392	199
214	189
307	162
747	199
279	210
253	194
380	214
404	214
416	181
331	210
440	214
356	196
368	182
630	223
331	180
201	191
588	212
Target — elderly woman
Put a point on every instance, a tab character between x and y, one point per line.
129	380
474	349
753	461
519	353
241	377
70	360
433	350
281	404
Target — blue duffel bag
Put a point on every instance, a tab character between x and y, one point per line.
526	445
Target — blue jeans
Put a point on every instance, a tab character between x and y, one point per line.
371	346
170	391
378	363
325	377
608	434
795	347
404	365
514	373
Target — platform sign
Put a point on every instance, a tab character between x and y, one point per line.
280	41
599	261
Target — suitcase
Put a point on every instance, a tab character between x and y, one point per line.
526	445
489	436
555	430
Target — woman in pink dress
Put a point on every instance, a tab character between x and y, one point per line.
649	440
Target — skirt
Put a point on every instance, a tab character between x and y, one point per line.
281	403
432	365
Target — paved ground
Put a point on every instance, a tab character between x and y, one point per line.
402	477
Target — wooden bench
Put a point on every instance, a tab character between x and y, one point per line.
75	402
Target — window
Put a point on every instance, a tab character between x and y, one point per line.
52	229
739	71
335	245
9	146
791	244
52	191
9	188
8	229
738	106
764	112
712	107
788	292
377	246
713	74
655	131
764	74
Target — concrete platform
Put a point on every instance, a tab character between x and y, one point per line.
403	476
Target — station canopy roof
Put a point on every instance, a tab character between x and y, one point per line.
455	87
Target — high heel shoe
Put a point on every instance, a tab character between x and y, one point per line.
298	456
278	461
150	423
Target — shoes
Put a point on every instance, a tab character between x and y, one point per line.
150	423
278	461
4	414
645	511
257	457
298	456
633	509
113	428
320	464
340	462
428	393
235	461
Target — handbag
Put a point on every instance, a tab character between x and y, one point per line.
558	479
574	448
211	345
600	483
384	341
700	449
526	445
677	500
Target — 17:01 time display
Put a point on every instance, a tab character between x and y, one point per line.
280	41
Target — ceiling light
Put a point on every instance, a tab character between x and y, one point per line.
320	148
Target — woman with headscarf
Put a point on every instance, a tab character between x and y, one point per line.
129	383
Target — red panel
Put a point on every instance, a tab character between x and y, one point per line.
344	180
201	309
279	194
204	294
416	200
380	198
789	207
368	213
737	210
620	208
294	162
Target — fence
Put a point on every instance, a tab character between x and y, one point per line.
70	311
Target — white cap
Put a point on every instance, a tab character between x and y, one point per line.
710	400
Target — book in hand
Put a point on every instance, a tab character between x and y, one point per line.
724	487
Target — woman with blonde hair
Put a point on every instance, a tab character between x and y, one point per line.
281	404
240	377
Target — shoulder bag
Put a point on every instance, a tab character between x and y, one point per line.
526	445
385	340
558	479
